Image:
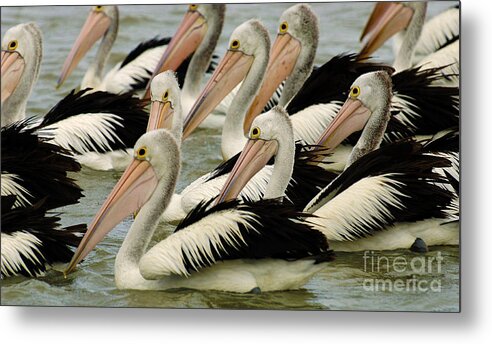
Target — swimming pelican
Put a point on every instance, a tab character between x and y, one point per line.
166	112
97	127
419	107
250	35
390	196
32	240
231	247
384	200
131	74
435	44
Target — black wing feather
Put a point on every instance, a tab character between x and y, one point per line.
277	233
55	243
437	106
40	166
331	81
405	163
132	117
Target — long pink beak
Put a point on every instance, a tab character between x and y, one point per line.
255	155
386	19
231	71
95	27
161	115
184	43
11	72
132	191
352	117
283	58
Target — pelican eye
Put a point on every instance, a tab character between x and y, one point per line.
98	8
13	45
255	133
284	27
165	96
142	153
193	7
354	92
235	44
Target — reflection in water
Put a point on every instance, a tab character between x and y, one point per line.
340	286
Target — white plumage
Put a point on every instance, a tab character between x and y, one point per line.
11	186
215	251
119	80
16	245
195	243
84	133
363	204
437	31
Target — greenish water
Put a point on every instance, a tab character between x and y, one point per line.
345	284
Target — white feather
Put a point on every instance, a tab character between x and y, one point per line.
363	203
10	186
200	239
406	109
448	56
203	189
309	123
437	31
434	232
84	132
120	80
116	160
13	246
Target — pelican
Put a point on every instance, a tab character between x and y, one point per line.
166	112
32	240
435	44
131	74
228	248
388	193
245	62
97	127
22	51
384	200
249	35
419	107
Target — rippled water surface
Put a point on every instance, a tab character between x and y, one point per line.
353	281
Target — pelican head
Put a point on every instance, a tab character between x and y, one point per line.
155	166
198	33
370	94
248	42
165	109
271	134
101	21
292	56
22	49
386	20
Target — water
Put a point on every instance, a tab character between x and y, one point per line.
351	282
